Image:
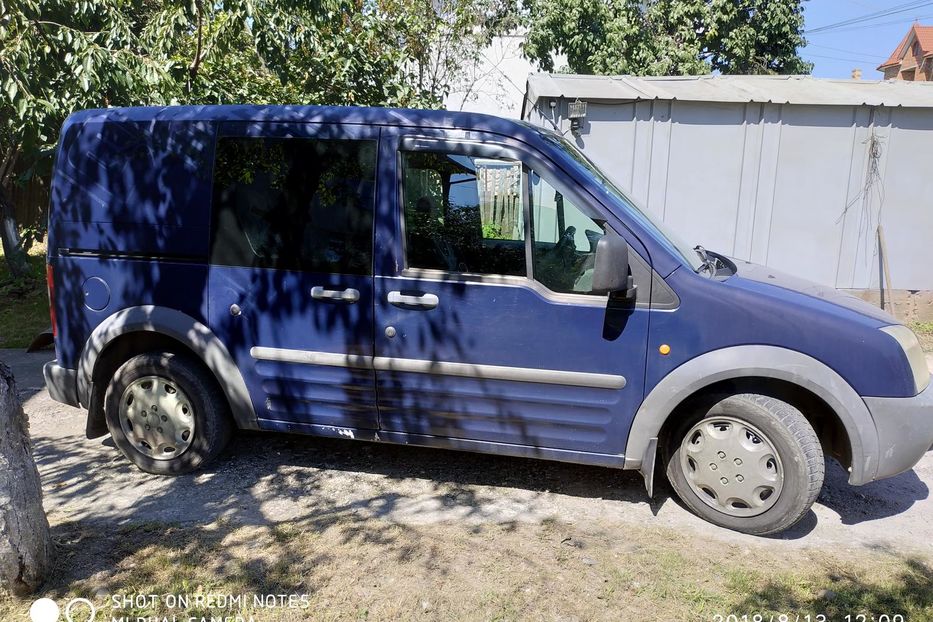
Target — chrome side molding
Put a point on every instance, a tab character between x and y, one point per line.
309	357
500	372
441	368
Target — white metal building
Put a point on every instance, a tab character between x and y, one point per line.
793	172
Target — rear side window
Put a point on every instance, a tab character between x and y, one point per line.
294	204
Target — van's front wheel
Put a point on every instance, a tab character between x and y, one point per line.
750	463
166	413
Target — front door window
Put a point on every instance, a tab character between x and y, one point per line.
467	214
564	240
463	214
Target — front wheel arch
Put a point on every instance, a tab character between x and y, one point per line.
847	425
832	433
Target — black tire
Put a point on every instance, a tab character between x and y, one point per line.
792	438
212	421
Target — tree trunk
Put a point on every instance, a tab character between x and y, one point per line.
9	236
25	542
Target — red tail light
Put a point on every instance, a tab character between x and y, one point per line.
50	281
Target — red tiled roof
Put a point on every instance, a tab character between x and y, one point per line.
923	35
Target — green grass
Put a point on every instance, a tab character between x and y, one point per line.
24	303
352	568
924	332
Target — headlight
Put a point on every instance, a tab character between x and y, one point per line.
914	353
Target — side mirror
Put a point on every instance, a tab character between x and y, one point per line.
611	271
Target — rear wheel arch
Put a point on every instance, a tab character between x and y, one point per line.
149	328
167	413
832	406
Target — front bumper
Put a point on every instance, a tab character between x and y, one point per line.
905	430
61	382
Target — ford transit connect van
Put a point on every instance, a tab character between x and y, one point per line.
448	280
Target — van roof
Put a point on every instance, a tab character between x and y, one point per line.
305	114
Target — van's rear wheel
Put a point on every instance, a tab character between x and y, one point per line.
750	463
166	413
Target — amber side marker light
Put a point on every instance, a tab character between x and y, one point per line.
664	349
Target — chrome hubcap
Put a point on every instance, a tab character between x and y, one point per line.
157	417
732	466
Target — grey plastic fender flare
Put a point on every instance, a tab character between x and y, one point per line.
761	361
173	323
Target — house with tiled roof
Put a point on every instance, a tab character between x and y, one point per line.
913	58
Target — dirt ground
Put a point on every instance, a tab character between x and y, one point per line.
380	506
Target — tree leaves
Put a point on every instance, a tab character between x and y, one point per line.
59	56
662	37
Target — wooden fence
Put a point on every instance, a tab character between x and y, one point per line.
30	201
500	200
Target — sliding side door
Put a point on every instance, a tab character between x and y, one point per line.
291	286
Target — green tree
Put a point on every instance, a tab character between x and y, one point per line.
667	37
443	37
55	57
408	53
58	56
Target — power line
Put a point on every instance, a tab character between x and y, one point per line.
867	6
839	58
851	52
874	25
900	8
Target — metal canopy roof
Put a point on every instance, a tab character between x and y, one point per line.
804	90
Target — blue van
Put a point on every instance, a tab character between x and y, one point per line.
448	280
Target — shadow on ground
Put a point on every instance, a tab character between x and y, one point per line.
27	370
265	478
873	501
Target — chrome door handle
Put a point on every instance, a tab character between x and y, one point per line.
349	294
425	301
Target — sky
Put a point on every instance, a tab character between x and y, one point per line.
839	49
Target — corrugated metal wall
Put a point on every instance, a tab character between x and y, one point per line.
800	188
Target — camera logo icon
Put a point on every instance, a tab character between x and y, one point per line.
46	610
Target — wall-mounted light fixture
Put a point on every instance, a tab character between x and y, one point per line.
576	112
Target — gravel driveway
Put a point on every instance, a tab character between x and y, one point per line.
270	478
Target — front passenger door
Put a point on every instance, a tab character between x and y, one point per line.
486	328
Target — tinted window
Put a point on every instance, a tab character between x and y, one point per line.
294	204
564	240
463	213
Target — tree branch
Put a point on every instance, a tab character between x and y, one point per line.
196	61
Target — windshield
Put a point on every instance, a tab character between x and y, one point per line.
673	242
